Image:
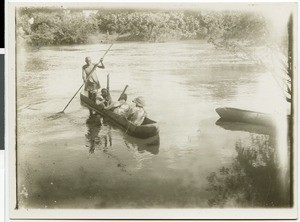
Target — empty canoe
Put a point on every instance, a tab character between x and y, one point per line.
246	116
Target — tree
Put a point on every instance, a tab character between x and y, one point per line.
247	36
52	26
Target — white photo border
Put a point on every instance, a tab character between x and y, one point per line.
10	116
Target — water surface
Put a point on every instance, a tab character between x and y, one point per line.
76	162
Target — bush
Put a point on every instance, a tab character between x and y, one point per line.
55	26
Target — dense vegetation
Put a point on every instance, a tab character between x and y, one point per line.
56	26
241	32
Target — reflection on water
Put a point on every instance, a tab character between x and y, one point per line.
228	86
78	161
253	178
95	123
246	127
150	145
36	64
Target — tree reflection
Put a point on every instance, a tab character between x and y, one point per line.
252	180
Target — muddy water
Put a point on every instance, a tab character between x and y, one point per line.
76	162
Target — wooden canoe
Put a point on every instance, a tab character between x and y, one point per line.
148	128
245	116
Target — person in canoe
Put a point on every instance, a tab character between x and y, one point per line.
120	107
90	79
137	114
104	99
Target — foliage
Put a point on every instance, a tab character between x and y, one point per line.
252	178
229	27
55	27
61	26
246	35
150	25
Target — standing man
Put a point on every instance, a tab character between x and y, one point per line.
90	78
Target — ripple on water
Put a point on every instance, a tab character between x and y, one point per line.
71	159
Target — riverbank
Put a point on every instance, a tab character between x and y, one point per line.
57	26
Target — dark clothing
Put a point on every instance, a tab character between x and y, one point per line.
92	96
107	100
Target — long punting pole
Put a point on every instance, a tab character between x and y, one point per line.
291	120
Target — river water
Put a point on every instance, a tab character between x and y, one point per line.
76	162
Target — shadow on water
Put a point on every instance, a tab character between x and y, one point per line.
253	178
36	65
150	145
246	127
55	116
99	138
95	124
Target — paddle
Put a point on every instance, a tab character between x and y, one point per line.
123	92
107	87
94	68
107	83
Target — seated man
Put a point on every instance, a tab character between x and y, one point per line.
104	98
137	114
119	107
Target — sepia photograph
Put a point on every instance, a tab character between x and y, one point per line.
152	110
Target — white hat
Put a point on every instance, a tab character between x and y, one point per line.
139	101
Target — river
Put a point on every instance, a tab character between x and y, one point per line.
70	162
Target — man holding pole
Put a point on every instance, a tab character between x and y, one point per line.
90	78
87	71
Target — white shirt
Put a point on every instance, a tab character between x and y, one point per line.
122	107
136	115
